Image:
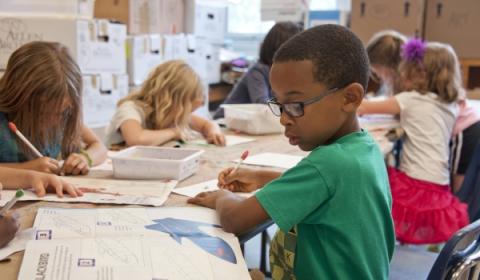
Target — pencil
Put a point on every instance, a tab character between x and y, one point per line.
242	158
14	129
12	201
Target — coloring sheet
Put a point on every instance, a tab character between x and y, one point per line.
106	191
207	186
131	243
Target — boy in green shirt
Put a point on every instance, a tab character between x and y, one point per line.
333	208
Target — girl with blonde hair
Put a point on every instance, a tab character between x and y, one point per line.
41	93
162	110
424	210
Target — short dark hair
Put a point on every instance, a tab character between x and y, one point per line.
278	34
338	55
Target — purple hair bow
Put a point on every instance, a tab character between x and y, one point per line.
414	50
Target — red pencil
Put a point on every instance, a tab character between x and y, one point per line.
242	158
14	129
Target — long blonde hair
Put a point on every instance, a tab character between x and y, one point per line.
39	79
438	72
167	95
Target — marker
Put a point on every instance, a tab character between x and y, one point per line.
12	201
14	129
242	158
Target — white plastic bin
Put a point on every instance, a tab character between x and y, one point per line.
143	162
252	118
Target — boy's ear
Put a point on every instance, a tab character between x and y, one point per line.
352	97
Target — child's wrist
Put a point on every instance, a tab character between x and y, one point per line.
87	157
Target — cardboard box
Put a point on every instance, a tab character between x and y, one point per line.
101	92
96	45
371	16
80	8
166	16
144	53
206	19
475	95
133	13
455	23
175	47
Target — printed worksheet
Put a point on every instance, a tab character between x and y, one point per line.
131	243
107	191
231	140
207	186
273	160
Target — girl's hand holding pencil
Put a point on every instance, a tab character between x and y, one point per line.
43	164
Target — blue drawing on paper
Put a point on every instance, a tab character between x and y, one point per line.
178	228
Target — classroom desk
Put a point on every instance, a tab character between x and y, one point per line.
212	161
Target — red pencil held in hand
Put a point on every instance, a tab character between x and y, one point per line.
14	129
242	158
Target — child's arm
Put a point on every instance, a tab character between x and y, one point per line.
93	154
40	182
389	106
237	214
43	164
134	134
210	130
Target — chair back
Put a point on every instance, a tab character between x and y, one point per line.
460	257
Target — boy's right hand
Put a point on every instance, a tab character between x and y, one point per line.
8	228
242	180
43	164
43	183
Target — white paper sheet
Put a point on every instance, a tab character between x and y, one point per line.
101	191
17	244
273	160
207	186
131	243
231	140
378	122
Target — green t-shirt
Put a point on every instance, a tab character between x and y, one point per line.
338	201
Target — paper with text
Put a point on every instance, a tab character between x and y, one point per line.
131	243
106	191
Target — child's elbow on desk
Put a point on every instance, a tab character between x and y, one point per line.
230	223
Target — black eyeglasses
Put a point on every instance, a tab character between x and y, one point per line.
295	109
